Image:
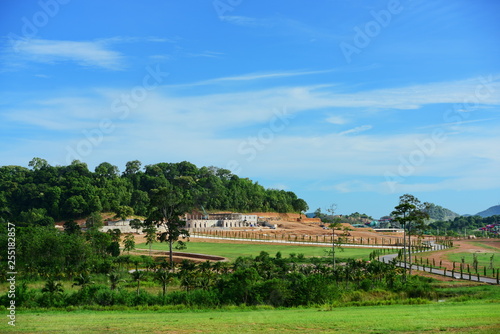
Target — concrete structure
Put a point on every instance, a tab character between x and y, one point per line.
195	221
122	225
201	223
220	220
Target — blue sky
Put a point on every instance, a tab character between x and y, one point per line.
346	102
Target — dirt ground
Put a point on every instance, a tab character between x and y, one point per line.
306	229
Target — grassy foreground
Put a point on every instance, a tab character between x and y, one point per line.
232	251
476	317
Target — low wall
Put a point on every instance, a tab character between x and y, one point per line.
201	223
123	229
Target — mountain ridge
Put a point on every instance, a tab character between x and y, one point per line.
491	211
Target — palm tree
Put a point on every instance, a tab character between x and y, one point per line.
82	280
188	274
164	277
205	266
52	287
114	280
137	276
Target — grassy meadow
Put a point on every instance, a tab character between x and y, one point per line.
472	317
233	250
483	259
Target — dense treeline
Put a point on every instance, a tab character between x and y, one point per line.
43	251
460	224
44	194
263	280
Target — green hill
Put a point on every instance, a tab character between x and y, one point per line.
44	194
494	210
437	212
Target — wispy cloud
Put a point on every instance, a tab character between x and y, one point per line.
337	120
255	76
331	96
356	130
208	126
137	39
247	21
461	122
258	76
93	54
206	54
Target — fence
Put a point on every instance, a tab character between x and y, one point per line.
382	242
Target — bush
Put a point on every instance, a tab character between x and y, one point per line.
203	298
418	287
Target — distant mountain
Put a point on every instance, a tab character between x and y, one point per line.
494	210
437	212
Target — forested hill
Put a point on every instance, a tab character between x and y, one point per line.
494	210
437	212
43	194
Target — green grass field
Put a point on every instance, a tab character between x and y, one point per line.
476	317
482	258
232	251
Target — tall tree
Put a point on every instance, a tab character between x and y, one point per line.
136	224
132	167
411	214
123	211
169	204
38	163
334	224
129	243
150	236
71	227
94	221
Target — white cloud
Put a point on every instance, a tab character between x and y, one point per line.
338	120
464	92
205	130
253	76
206	54
93	54
356	130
